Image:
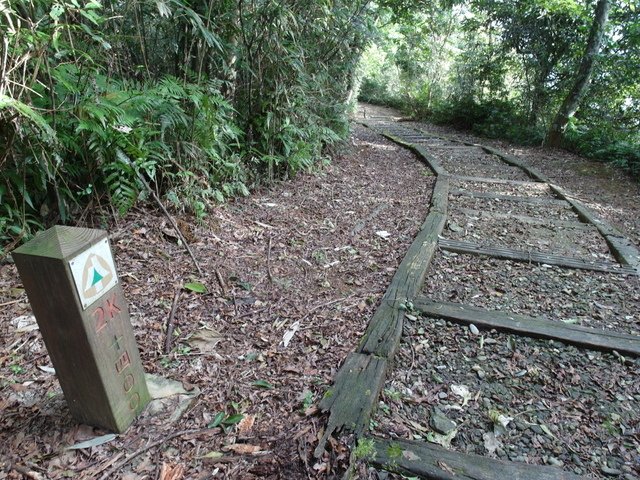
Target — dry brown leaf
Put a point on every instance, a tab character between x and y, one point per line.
205	340
242	448
171	472
246	424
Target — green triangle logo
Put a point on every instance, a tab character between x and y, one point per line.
96	277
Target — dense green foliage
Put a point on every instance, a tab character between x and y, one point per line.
502	69
199	100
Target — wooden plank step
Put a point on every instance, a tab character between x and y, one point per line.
488	169
432	145
511	198
420	138
455	147
434	462
537	327
533	257
622	248
353	396
394	131
507	173
540	221
510	159
465	178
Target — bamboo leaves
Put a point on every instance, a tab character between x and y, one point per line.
201	98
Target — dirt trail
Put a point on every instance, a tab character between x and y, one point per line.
310	256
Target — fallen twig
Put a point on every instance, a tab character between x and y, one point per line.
253	312
120	233
322	305
170	324
7	249
121	464
25	472
10	303
269	261
111	461
172	222
221	282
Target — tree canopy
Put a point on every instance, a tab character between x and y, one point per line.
507	69
203	100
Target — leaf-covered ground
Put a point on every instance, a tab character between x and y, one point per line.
591	299
292	276
309	259
514	398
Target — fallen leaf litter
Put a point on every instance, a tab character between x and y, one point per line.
267	277
298	263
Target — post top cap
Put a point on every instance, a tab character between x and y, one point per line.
61	242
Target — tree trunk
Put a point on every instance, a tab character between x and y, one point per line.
555	135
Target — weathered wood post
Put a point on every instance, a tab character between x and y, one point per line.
70	278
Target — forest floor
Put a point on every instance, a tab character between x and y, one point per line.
293	273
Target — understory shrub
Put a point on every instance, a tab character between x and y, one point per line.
197	101
492	119
605	144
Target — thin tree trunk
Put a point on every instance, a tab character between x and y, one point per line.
555	135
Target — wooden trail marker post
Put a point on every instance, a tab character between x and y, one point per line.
70	278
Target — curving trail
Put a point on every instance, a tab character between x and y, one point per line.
504	259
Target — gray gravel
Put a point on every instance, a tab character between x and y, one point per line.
554	212
584	242
532	401
528	190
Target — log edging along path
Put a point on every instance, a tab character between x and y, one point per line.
531	326
352	399
437	463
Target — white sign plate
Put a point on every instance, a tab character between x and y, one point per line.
94	272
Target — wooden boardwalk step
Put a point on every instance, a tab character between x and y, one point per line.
455	147
511	198
511	160
538	221
488	169
426	460
531	326
465	178
533	257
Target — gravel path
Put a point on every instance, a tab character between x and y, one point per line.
532	401
506	396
